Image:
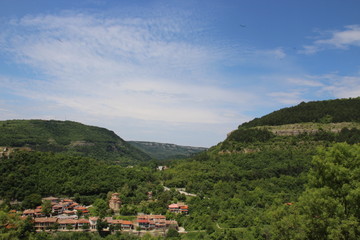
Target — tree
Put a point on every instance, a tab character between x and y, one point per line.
46	207
31	201
172	233
26	227
100	225
100	208
331	202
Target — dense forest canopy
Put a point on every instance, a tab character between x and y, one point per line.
47	174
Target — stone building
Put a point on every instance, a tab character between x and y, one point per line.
114	202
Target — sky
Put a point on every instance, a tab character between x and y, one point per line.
184	72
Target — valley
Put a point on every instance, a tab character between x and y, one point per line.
292	174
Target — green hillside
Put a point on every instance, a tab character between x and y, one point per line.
330	111
266	180
166	151
248	183
69	137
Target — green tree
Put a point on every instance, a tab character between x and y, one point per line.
100	208
46	207
25	228
331	202
172	233
31	201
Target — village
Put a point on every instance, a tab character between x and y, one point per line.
68	215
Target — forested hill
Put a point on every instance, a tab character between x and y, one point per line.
329	111
69	137
166	151
250	185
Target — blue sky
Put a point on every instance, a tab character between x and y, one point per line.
183	72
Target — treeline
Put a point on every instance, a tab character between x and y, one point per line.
339	110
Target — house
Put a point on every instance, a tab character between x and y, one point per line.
82	222
44	223
67	223
57	209
127	225
143	224
162	168
69	213
116	223
150	222
93	222
178	208
81	209
38	212
184	209
29	212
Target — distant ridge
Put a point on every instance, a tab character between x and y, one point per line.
166	151
69	137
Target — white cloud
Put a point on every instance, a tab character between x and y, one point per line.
343	39
342	86
305	82
287	98
338	39
134	68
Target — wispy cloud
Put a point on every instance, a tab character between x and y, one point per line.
337	39
342	86
128	67
305	82
287	98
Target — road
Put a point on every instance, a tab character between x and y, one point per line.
181	190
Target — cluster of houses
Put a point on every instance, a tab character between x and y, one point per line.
62	208
142	222
67	215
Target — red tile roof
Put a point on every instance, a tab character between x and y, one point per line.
124	222
45	220
29	211
67	221
83	220
115	221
